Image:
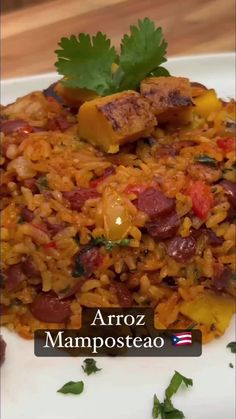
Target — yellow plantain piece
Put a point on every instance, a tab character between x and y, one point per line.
110	121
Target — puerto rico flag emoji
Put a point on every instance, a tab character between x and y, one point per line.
181	339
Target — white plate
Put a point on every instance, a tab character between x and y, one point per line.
124	388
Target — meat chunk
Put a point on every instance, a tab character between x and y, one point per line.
204	173
48	308
123	294
2	350
181	248
27	215
88	259
29	268
154	202
111	121
79	196
221	277
164	227
14	277
230	190
15	126
166	93
212	238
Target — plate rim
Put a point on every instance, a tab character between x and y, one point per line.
171	59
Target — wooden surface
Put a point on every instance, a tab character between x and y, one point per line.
30	35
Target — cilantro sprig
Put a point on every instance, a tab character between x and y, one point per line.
86	61
90	366
165	409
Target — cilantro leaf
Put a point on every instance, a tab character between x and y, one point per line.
232	347
90	366
86	62
170	412
72	387
176	382
42	184
204	159
156	407
142	52
109	244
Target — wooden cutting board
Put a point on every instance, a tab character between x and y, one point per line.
30	35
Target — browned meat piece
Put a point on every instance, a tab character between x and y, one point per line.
230	190
123	294
29	268
212	238
48	308
203	172
15	126
164	227
197	89
79	196
181	248
222	276
166	93
14	277
154	203
27	215
86	260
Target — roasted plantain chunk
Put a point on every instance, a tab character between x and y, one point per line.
111	121
169	97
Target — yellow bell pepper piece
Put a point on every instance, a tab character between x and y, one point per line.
210	308
207	103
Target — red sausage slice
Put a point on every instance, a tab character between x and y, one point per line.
154	202
164	227
48	308
181	248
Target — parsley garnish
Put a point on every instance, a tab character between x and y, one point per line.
109	244
42	184
232	347
72	387
231	365
21	220
86	62
204	159
90	366
166	409
233	277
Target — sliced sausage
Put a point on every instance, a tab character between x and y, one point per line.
212	238
17	125
154	203
230	190
29	268
86	260
48	308
222	275
79	196
14	277
164	227
54	228
181	248
2	350
27	215
123	294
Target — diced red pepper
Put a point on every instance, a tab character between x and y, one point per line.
202	199
226	144
50	245
135	189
